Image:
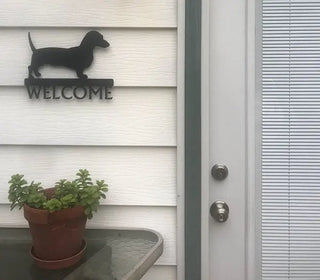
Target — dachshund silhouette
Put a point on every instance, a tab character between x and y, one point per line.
76	58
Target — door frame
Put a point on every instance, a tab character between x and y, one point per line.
192	140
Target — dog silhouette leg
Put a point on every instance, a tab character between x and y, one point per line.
34	70
81	75
30	72
37	73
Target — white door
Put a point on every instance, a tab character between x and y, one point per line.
261	119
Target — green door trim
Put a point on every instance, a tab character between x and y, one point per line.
192	139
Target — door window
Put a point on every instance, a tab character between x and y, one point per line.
290	139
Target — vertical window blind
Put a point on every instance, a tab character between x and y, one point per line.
290	139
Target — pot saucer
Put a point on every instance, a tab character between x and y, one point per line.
62	263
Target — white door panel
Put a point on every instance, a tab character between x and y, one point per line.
227	134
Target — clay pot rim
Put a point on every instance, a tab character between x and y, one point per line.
44	216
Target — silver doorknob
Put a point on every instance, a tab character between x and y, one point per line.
219	210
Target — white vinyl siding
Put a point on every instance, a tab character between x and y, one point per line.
115	122
291	140
88	13
122	167
129	140
136	56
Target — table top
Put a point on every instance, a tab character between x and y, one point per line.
112	254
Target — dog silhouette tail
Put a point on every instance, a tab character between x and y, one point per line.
30	42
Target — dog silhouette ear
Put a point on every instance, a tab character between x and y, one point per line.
94	39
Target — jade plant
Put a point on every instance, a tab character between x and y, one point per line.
79	192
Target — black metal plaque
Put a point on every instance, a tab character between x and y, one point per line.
77	59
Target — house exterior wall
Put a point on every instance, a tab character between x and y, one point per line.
130	141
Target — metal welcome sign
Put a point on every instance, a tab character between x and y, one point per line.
78	59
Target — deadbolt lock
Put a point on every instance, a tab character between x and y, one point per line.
219	172
219	210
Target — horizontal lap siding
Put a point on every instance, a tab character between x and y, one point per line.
108	13
134	176
130	140
136	57
135	116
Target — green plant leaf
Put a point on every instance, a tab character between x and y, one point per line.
80	191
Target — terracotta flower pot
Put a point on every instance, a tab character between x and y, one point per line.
58	235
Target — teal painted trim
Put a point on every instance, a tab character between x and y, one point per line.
193	140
